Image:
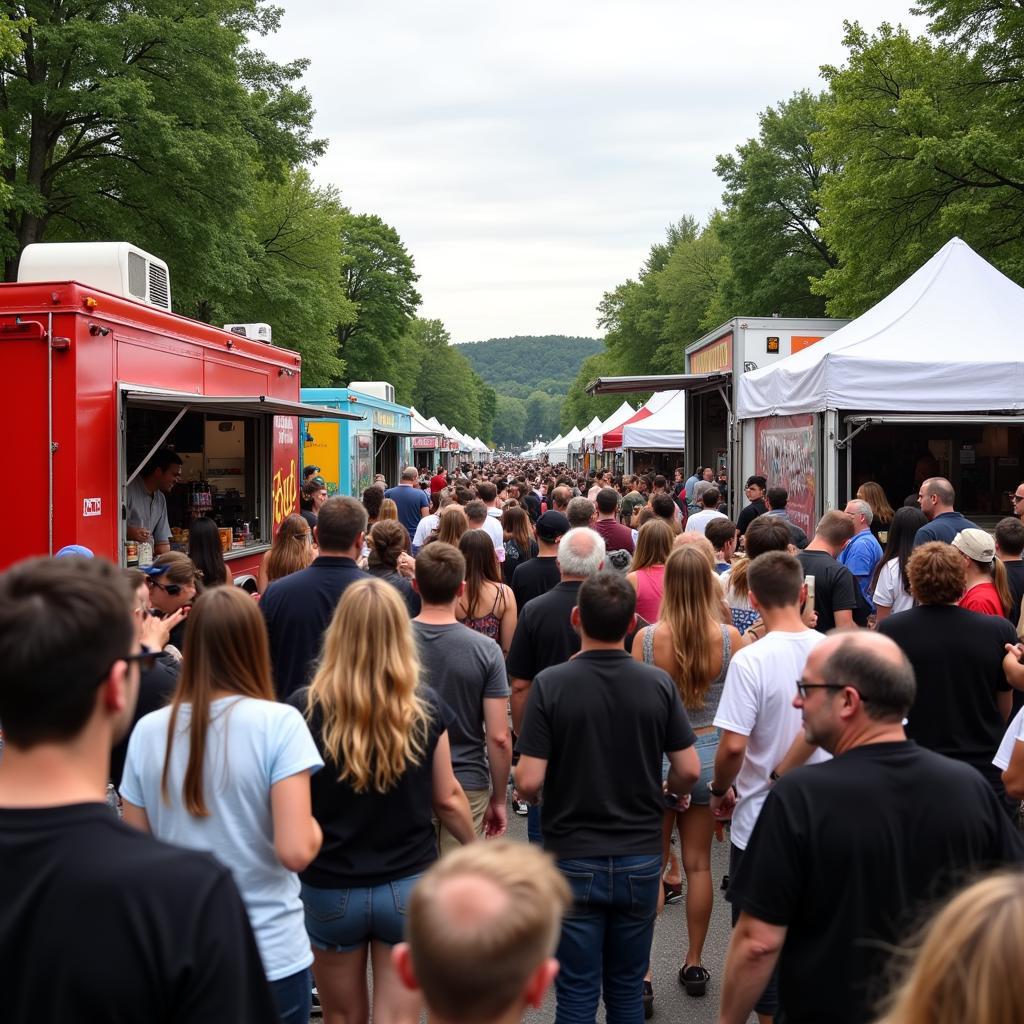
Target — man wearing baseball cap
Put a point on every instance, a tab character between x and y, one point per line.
986	589
538	575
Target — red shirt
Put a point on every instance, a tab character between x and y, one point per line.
983	598
616	536
438	483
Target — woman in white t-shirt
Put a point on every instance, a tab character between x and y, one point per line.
226	769
890	588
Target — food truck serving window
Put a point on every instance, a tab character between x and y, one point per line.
224	470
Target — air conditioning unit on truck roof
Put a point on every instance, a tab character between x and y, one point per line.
374	388
254	332
117	267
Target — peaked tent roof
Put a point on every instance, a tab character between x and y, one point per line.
617	418
946	340
613	438
663	431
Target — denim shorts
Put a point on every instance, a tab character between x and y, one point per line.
706	747
342	920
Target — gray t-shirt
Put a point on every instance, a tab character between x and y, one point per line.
465	668
147	510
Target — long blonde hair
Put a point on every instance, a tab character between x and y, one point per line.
691	603
653	544
292	549
227	650
375	723
967	959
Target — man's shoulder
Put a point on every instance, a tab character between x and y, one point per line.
774	645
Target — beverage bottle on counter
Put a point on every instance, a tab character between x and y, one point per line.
145	553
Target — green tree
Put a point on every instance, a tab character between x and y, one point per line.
150	121
931	146
771	229
293	273
448	389
379	277
510	422
579	408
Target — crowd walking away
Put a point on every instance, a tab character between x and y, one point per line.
304	800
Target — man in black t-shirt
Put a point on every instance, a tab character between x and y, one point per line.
538	575
847	854
961	663
754	491
158	933
835	588
593	738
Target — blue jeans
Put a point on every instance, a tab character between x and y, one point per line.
293	997
606	937
533	833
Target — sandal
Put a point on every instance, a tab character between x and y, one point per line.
694	978
648	1000
673	893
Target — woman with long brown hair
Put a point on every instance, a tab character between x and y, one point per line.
451	525
388	542
384	739
225	768
488	605
691	643
291	551
519	543
881	511
647	572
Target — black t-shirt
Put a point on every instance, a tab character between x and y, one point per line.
602	722
835	589
848	854
515	557
533	578
156	687
544	635
104	923
750	513
958	662
373	838
1015	579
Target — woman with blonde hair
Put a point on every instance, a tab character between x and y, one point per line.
647	572
291	551
384	739
488	605
388	510
225	768
967	966
690	642
451	525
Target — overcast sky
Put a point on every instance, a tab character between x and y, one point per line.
529	154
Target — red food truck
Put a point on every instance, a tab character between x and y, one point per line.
103	374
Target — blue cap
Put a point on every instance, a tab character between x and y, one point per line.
74	549
154	570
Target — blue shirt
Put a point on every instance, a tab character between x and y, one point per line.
410	500
250	746
861	556
945	526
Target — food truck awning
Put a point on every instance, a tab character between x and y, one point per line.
182	403
251	405
660	382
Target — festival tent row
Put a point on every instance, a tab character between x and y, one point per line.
662	430
613	439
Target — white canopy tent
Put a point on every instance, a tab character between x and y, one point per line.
946	340
662	431
588	432
593	437
558	450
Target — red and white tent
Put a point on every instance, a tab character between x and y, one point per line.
612	439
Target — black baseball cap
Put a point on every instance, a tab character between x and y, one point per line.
552	525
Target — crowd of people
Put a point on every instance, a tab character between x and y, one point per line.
315	782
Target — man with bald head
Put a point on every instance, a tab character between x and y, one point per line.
847	854
936	497
496	906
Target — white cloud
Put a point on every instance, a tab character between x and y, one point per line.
530	154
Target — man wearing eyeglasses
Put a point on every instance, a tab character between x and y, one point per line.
156	930
846	855
1017	501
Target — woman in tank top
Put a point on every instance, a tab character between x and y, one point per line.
647	575
694	647
487	606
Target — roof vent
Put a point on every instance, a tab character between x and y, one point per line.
254	332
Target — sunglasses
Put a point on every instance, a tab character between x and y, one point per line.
146	660
171	589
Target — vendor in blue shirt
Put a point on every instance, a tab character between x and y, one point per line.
145	501
413	503
863	552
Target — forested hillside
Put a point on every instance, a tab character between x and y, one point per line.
531	376
520	366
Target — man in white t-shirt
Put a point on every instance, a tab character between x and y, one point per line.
710	500
756	716
479	518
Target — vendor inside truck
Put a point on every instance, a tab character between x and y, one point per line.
146	504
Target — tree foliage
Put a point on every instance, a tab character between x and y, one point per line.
518	366
152	121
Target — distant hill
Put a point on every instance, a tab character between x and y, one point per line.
520	366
